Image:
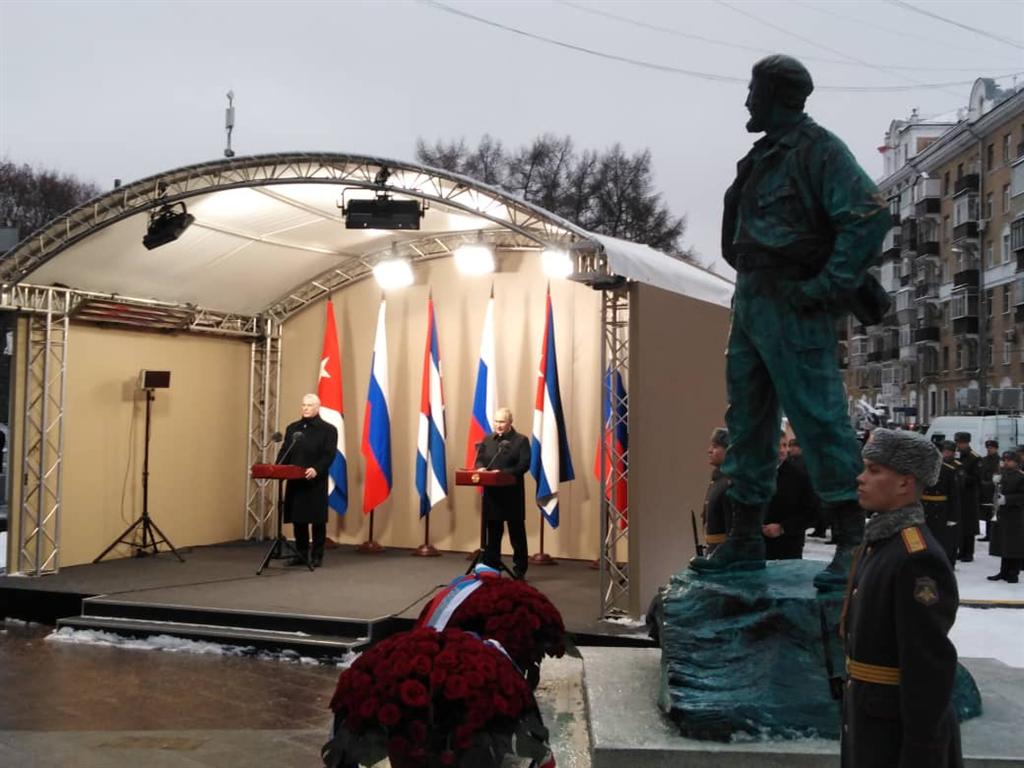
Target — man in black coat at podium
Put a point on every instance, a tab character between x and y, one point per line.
508	451
309	442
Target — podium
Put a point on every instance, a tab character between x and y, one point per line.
282	547
484	478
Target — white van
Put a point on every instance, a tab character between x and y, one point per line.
1008	430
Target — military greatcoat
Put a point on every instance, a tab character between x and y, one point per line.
901	665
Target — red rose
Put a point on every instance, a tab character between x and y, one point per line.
417	731
368	708
455	687
437	677
413	693
421	665
389	715
463	738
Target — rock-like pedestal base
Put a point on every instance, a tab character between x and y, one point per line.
743	655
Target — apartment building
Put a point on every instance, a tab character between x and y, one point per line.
953	264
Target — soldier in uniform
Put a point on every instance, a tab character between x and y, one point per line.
900	606
989	464
801	223
717	514
970	494
941	502
1008	535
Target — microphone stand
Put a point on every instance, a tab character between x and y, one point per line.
282	547
478	556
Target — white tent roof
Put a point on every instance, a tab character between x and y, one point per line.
268	227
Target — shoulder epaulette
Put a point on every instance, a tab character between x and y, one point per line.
913	540
948	466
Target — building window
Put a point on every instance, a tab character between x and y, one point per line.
945	401
1006	247
1006	198
990	258
987	213
988	354
990	155
945	358
959	171
947	228
1006	148
1007	351
990	302
959	356
1007	298
945	184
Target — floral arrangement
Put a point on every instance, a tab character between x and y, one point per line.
518	616
426	698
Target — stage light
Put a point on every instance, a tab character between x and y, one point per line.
167	225
474	259
556	263
393	272
383	213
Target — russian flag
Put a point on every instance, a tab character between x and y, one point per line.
431	470
550	462
332	410
485	398
616	446
376	445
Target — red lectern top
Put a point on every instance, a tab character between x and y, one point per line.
278	472
483	477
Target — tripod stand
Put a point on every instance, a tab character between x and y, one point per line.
479	556
282	547
152	536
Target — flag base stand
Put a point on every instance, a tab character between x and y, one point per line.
542	558
370	546
425	550
330	543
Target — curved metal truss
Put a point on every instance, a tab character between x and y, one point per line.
456	192
264	386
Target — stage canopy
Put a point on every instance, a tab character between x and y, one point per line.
269	236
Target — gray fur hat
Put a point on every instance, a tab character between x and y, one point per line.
907	453
720	437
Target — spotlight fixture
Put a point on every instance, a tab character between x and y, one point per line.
556	263
475	258
167	225
393	272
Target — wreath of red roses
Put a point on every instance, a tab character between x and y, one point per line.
425	698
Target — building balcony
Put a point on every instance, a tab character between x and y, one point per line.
905	280
968	183
895	219
926	292
891	353
928	248
966	231
875	357
908	353
930	206
965	326
891	254
967	277
858	360
1018	314
930	334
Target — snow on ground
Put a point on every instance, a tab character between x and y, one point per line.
180	645
993	633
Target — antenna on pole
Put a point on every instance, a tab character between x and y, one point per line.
229	123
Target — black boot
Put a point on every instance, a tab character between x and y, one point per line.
744	550
302	558
848	531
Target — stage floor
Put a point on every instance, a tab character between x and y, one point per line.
349	585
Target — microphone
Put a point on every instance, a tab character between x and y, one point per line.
501	447
296	436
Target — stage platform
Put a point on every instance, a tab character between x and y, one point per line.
215	595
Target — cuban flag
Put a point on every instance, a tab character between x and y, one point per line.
485	398
431	471
376	445
550	462
328	389
616	446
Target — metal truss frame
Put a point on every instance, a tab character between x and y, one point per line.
264	387
451	190
45	387
614	573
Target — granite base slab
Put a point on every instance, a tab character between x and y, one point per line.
627	730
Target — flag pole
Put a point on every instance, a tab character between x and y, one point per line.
542	557
426	549
370	547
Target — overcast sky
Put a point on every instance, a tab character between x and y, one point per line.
125	90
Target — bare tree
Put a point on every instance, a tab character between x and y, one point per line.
31	197
610	192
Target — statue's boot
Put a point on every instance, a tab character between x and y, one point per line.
849	532
744	549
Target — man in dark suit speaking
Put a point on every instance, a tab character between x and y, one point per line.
508	451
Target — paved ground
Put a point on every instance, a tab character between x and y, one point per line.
99	707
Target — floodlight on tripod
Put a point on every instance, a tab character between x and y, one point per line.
167	225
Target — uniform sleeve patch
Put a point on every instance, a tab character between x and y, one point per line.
913	540
926	591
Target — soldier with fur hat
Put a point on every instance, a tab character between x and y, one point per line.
941	502
1008	533
717	514
900	606
970	495
988	469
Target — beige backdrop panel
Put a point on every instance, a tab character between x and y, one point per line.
460	303
197	449
677	396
